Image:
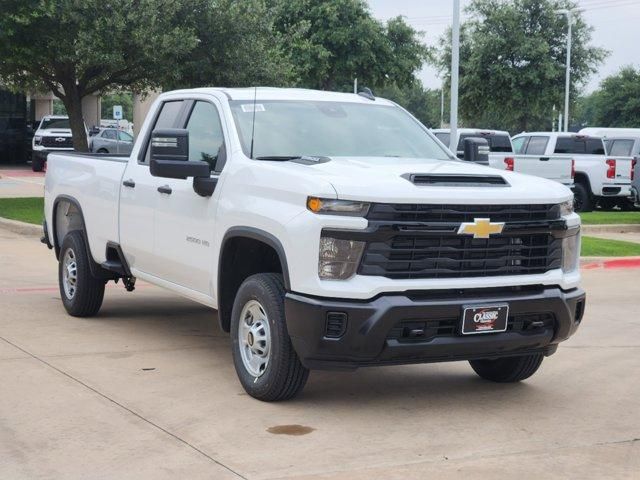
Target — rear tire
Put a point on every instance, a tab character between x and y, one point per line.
508	369
266	363
81	292
582	198
103	150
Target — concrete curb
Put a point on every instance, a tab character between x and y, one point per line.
589	263
618	228
21	228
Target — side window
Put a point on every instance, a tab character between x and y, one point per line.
569	145
206	140
168	117
110	134
519	144
443	137
594	146
537	145
500	143
621	148
124	137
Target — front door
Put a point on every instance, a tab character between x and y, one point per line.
185	221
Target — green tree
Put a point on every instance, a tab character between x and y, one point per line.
331	42
422	103
78	47
617	102
237	47
512	62
117	98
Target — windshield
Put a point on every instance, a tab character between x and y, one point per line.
299	128
51	123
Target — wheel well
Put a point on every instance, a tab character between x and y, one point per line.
67	217
583	179
241	257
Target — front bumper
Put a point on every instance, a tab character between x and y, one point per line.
366	338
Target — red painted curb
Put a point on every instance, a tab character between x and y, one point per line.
615	263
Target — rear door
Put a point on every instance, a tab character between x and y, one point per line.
139	198
534	161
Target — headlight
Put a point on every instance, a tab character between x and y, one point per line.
338	259
570	253
337	207
566	208
37	139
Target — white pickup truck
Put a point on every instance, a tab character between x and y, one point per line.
53	135
598	176
505	156
329	230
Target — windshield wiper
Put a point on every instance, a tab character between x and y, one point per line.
279	158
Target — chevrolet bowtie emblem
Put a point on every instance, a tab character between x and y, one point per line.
480	228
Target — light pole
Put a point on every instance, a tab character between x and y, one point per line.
455	62
567	85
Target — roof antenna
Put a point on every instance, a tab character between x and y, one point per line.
253	125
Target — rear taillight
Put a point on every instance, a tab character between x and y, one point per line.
509	163
634	162
573	168
611	171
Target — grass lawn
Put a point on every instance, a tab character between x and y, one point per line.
30	210
599	247
607	218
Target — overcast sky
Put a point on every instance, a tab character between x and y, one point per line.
616	24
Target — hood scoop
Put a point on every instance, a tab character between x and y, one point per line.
453	180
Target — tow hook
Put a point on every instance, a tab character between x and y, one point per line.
129	283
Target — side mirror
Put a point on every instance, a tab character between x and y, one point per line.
476	150
170	156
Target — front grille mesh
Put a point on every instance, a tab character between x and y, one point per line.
411	241
451	255
52	143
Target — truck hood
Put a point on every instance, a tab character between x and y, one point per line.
384	179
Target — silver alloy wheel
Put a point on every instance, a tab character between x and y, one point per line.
69	273
254	338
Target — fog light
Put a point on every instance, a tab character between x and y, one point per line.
570	253
338	259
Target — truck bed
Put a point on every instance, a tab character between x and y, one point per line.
93	182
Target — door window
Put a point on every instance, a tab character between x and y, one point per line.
621	148
167	118
109	134
518	144
124	137
206	140
537	145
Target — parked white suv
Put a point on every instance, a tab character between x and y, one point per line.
53	135
329	230
598	176
505	156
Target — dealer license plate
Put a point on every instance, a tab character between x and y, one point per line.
485	319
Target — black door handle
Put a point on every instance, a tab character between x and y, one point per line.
129	183
165	189
544	159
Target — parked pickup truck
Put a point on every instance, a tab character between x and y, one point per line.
598	176
505	156
329	230
53	135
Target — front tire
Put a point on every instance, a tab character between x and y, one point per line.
81	292
266	363
508	369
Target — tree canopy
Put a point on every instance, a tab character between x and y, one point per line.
616	103
331	42
512	62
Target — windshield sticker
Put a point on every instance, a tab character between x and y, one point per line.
248	107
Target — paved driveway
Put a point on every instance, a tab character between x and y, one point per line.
147	390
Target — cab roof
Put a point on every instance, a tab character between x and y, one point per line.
272	93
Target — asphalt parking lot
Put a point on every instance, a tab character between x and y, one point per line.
19	181
147	390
